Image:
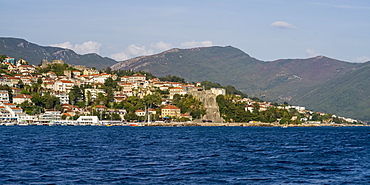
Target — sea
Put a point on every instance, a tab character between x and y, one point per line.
184	155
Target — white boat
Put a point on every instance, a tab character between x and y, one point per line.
9	124
23	124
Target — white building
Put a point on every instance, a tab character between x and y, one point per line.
63	97
218	91
88	120
4	96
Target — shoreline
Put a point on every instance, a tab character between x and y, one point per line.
186	124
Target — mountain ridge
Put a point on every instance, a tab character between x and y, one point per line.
33	53
278	80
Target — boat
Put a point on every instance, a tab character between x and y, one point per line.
9	124
23	124
134	124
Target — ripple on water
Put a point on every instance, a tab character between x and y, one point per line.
184	155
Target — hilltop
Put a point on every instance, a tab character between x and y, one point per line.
33	53
296	81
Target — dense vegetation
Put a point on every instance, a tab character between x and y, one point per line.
233	110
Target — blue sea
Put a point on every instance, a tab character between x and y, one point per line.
184	155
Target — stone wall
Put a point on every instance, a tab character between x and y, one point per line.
209	101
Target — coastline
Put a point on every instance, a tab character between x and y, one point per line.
186	124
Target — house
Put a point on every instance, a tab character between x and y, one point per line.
152	111
28	68
11	60
4	96
5	115
136	78
176	90
63	97
140	112
51	74
16	91
21	98
90	71
187	116
63	85
101	108
171	111
76	73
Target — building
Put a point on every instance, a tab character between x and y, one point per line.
218	91
63	97
21	98
4	96
11	60
140	112
88	120
63	85
171	111
92	94
177	90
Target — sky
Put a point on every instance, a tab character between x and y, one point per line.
265	29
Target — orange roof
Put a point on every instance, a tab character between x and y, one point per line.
66	81
138	74
177	88
13	78
23	96
171	107
67	114
139	110
9	104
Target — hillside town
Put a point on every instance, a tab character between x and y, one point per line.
77	95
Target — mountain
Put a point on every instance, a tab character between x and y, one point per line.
319	83
33	54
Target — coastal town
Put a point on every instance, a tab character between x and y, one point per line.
77	95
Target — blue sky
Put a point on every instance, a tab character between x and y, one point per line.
265	29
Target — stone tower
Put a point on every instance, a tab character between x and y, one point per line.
209	101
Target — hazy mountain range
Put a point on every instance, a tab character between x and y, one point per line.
318	83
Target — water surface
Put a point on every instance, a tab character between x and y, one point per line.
184	155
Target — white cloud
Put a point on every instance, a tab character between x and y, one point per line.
312	53
135	50
362	59
65	45
119	56
84	48
161	46
192	44
87	47
283	25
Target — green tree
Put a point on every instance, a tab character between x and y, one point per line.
75	94
25	92
109	82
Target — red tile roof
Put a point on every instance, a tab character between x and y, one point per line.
170	107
